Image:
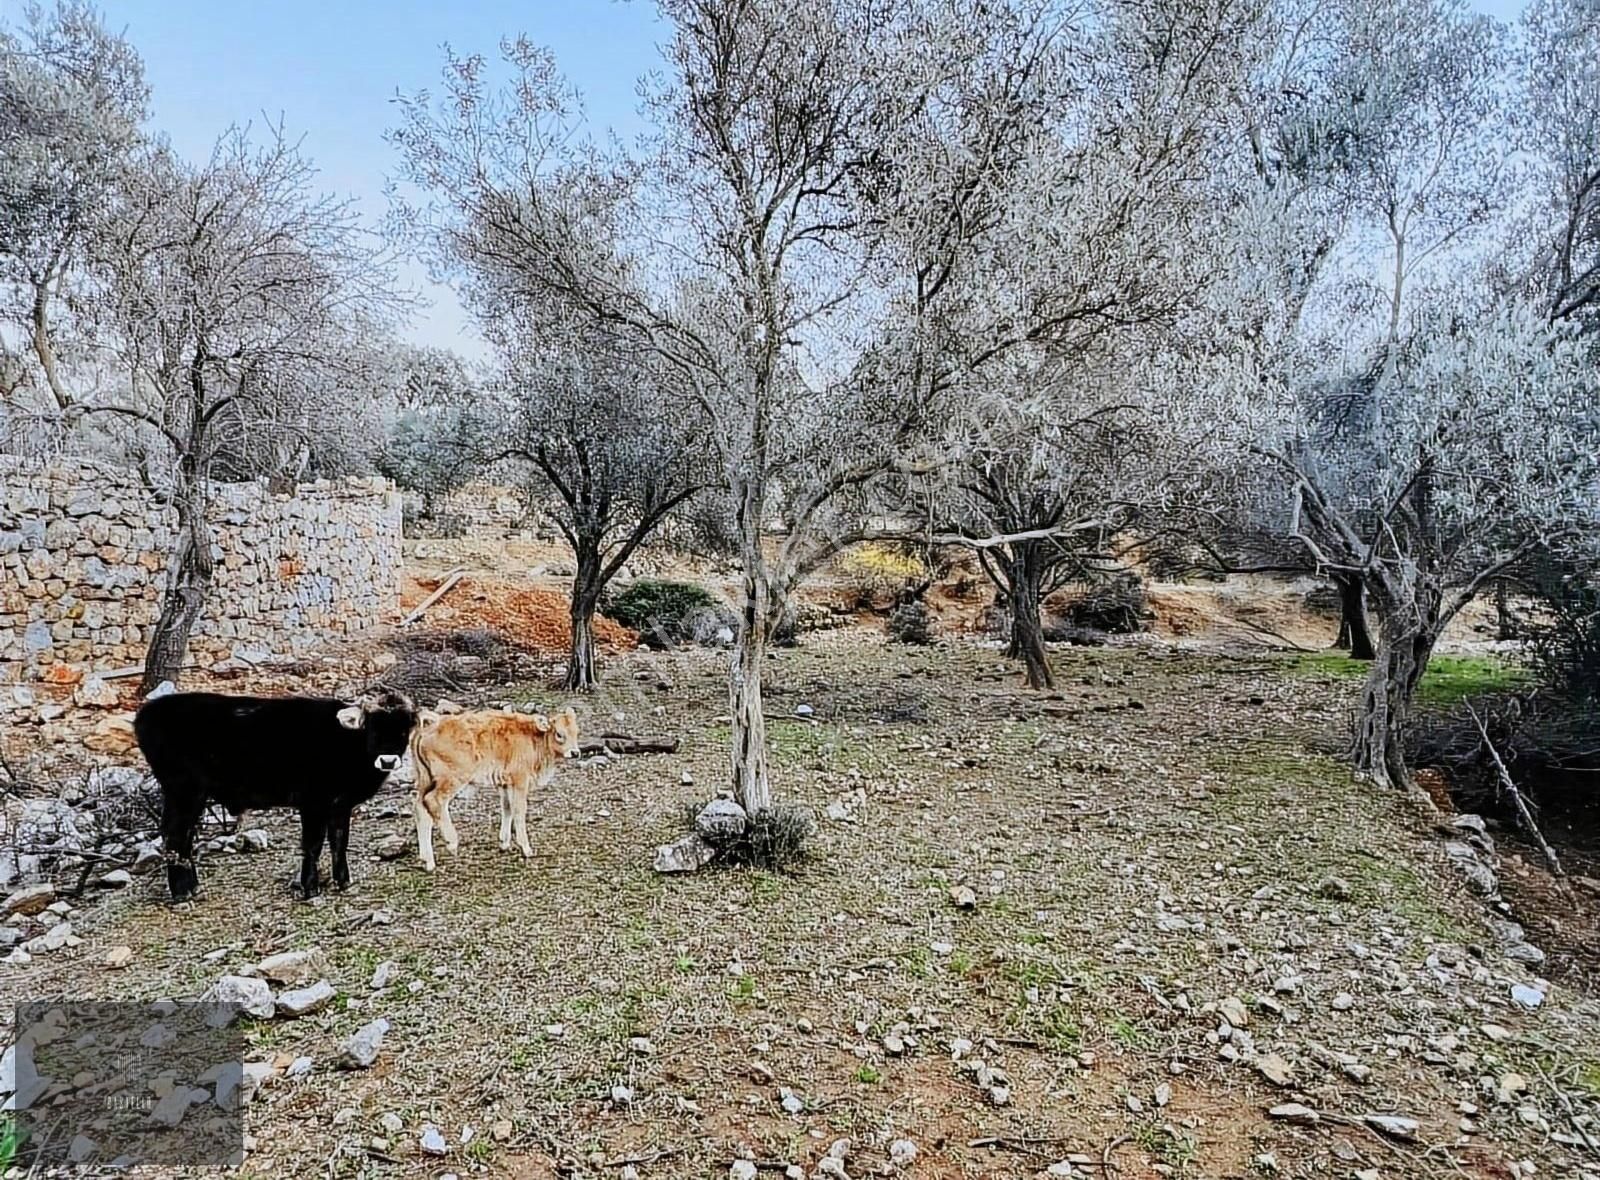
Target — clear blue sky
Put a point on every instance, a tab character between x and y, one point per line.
330	67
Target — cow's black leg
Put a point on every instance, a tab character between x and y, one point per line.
180	813
313	830
338	843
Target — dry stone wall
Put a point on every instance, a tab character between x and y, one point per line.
83	553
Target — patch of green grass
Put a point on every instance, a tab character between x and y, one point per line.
961	963
743	989
685	965
1128	1033
765	887
869	1075
1589	1078
1172	1148
480	1150
1060	1030
919	962
1448	680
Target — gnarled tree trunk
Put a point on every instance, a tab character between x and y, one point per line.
189	576
1354	634
751	785
581	674
1024	575
1402	656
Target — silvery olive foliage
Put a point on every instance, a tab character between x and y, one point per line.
72	98
848	211
1414	424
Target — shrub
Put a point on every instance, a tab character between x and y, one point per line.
773	839
911	623
664	613
1059	630
1115	606
875	573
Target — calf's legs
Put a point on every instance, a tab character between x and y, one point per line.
313	831
180	813
504	794
519	816
423	806
338	844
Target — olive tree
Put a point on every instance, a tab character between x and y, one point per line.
614	447
1491	444
796	251
233	292
72	97
1560	117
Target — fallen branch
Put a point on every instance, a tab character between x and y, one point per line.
445	587
622	743
121	673
1524	813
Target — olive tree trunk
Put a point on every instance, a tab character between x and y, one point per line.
1354	634
189	574
581	674
1402	655
751	785
1024	577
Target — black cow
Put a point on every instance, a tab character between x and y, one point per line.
322	757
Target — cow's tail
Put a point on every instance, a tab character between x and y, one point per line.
426	720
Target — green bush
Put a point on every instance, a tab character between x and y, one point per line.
664	613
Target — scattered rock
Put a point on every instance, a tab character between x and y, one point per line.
791	1102
963	898
684	855
95	693
719	820
253	996
253	1077
1343	1002
432	1142
254	840
1294	1113
392	1123
360	1050
1394	1126
30	899
172	1106
902	1153
1528	997
306	1000
742	1170
1335	889
119	957
290	967
383	974
1510	1087
392	847
1275	1069
116	879
1234	1012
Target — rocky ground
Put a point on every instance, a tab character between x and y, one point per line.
1142	926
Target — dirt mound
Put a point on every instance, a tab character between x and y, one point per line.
532	619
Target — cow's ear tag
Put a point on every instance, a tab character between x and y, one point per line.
350	717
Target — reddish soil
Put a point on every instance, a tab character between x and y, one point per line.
532	619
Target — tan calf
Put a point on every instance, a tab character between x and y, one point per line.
512	751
